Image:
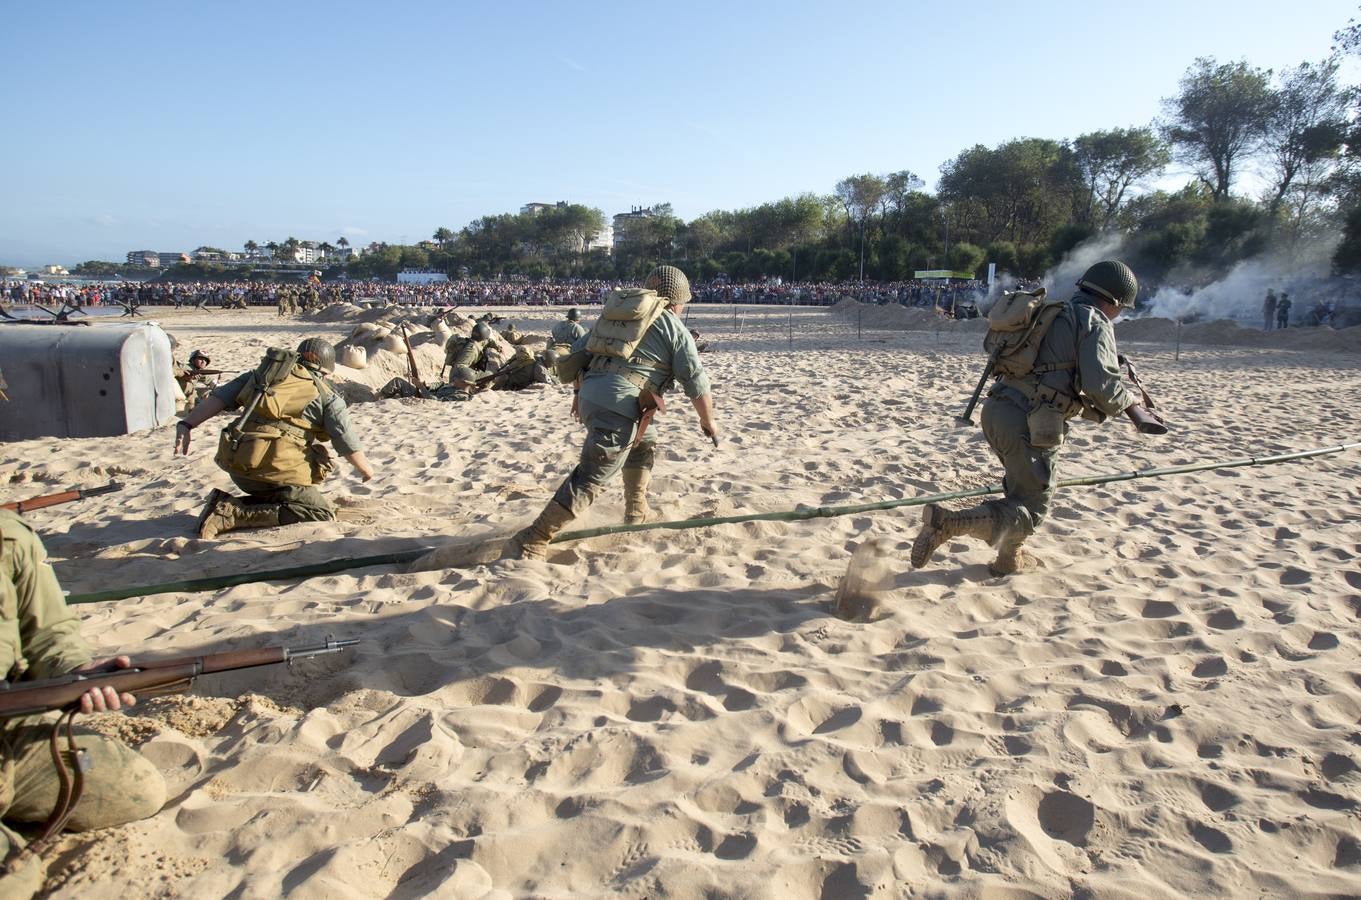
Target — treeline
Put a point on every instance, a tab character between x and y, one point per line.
1021	204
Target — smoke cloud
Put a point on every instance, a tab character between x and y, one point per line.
1190	294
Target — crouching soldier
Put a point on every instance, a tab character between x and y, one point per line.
1065	365
630	358
40	638
473	353
275	451
566	332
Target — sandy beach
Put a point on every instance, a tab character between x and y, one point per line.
1168	707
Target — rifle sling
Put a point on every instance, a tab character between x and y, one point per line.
68	794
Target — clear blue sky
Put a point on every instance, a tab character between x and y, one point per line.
165	126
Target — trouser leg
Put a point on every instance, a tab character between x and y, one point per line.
1030	474
120	784
297	502
607	446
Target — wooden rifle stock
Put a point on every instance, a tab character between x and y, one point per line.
650	403
1145	421
411	361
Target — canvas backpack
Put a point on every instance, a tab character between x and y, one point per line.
1017	324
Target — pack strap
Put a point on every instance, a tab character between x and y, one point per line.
1046	368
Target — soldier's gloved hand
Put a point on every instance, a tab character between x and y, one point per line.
105	699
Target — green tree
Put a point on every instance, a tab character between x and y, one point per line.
443	235
1112	162
1304	133
1218	118
860	196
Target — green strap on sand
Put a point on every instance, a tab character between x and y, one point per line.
217	582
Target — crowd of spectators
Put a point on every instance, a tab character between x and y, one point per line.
959	298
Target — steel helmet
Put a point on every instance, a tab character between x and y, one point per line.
574	315
197	355
318	353
1110	280
670	282
481	332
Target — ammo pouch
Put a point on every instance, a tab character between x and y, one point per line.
1047	425
271	452
657	383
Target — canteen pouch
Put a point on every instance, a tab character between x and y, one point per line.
321	462
1046	424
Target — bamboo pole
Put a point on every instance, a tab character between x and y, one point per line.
329	567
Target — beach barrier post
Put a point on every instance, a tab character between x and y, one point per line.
813	512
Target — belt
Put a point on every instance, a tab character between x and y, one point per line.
612	365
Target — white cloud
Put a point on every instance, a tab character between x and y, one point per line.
572	64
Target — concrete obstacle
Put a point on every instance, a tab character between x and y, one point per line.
79	381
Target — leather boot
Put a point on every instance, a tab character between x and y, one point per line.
215	497
940	525
231	514
532	542
635	495
1012	559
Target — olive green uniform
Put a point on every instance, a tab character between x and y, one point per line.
567	332
608	404
298	502
40	638
467	352
1085	380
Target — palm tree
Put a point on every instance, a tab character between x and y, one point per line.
251	247
342	241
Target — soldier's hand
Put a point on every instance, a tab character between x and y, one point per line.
710	431
182	432
105	699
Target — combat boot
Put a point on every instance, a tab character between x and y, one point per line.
231	514
940	525
1012	559
215	497
635	495
532	542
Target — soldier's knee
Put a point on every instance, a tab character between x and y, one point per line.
129	788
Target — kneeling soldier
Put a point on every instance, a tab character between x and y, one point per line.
276	453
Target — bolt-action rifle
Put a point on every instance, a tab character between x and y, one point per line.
1145	417
146	677
71	496
273	369
411	362
966	417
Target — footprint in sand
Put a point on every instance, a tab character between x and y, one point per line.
1293	576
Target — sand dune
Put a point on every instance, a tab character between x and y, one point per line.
1168	707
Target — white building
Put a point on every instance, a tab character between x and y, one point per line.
604	240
